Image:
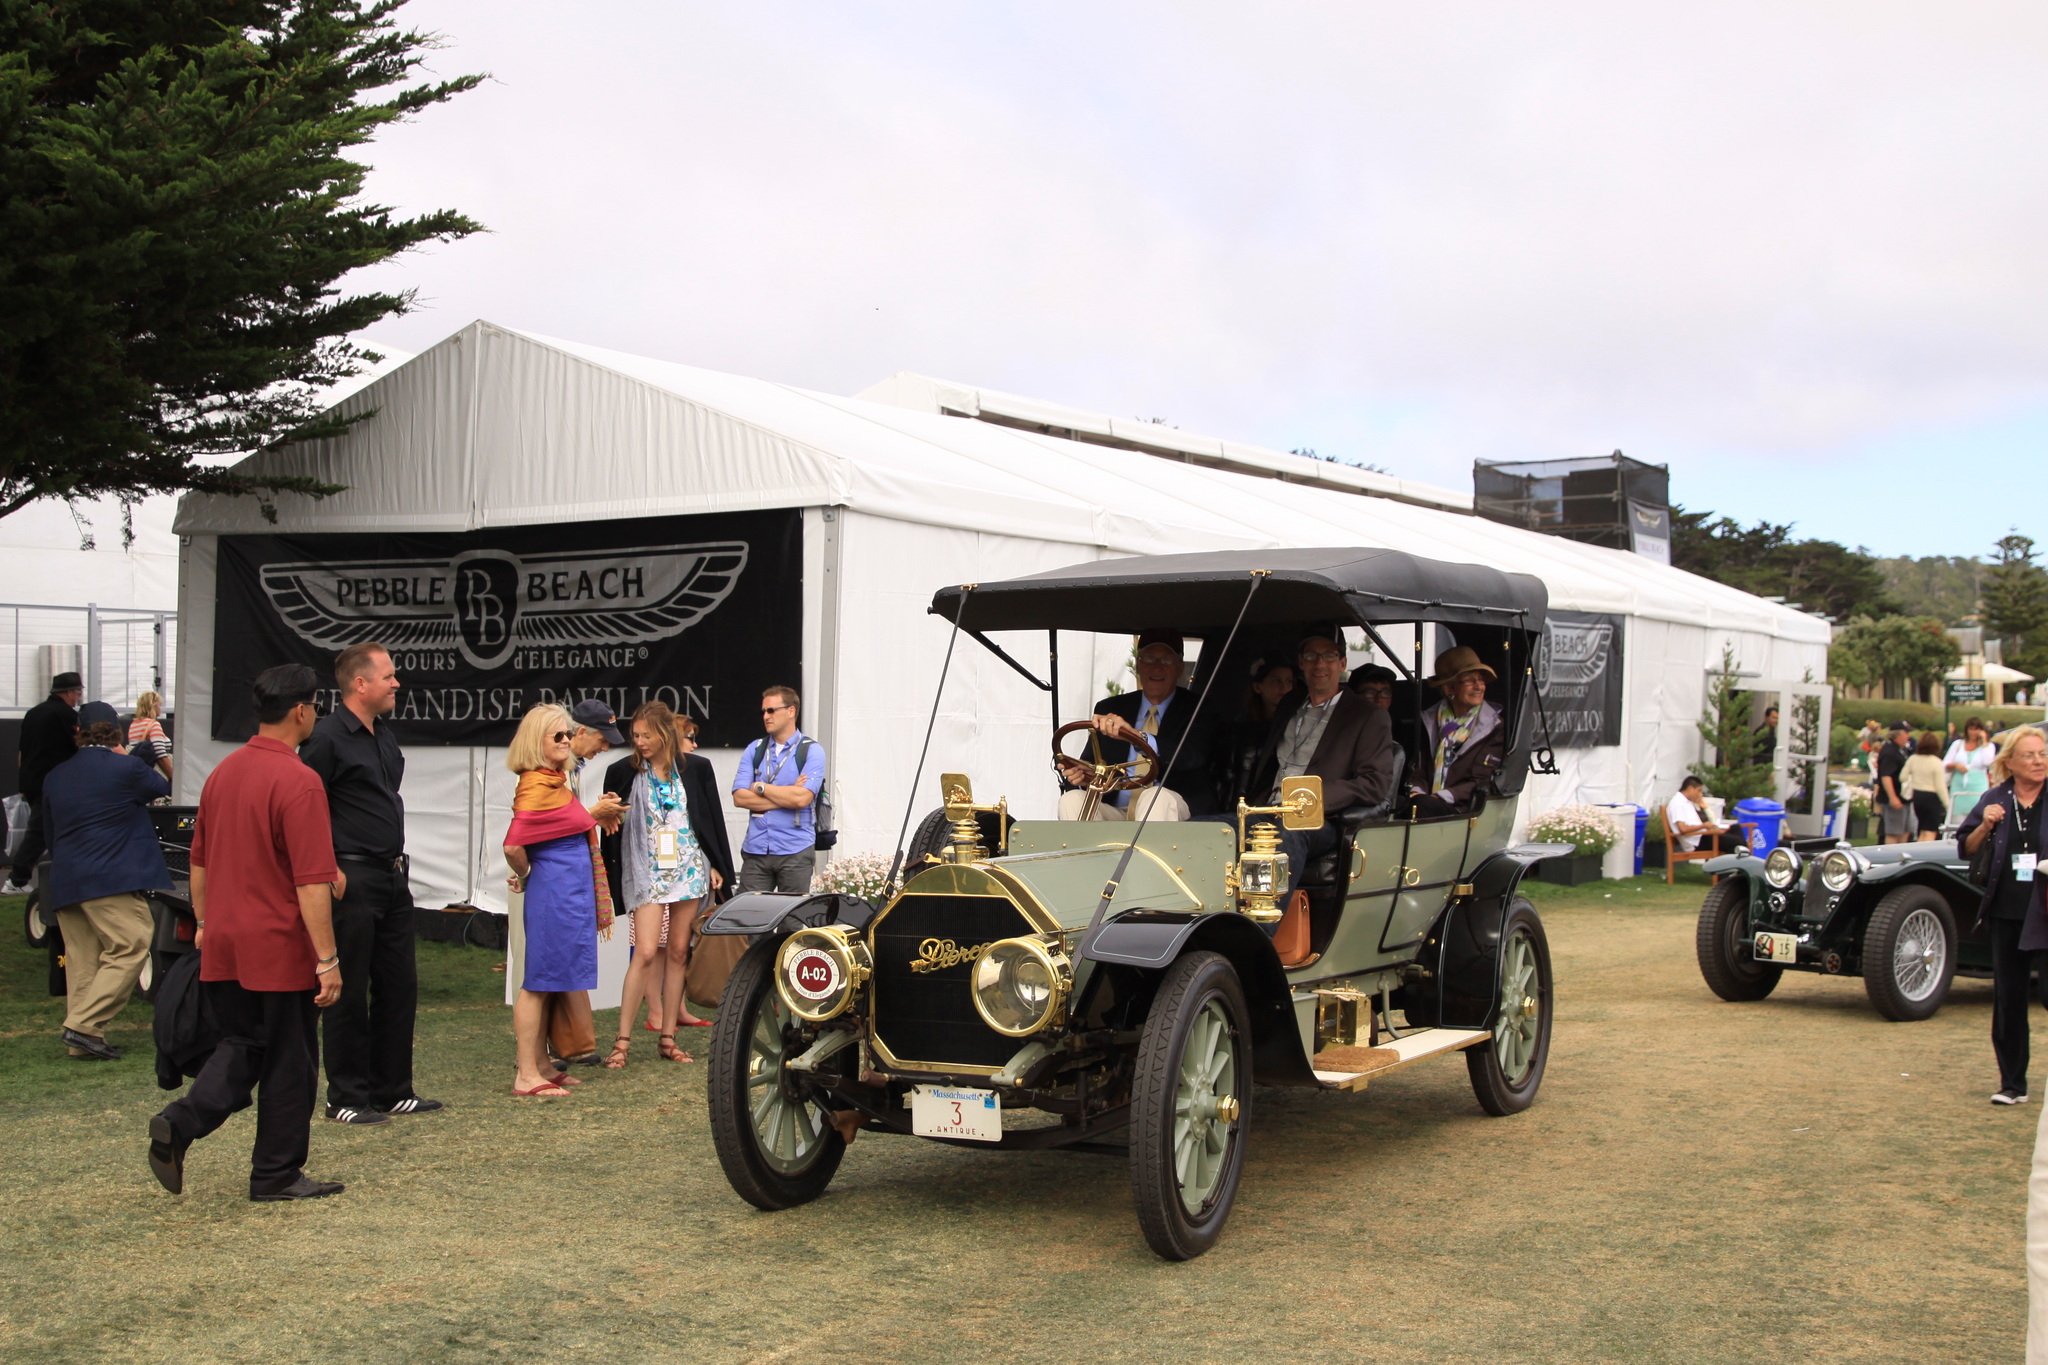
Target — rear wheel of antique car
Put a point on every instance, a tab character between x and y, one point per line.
1723	943
1508	1070
1190	1104
1909	953
775	1143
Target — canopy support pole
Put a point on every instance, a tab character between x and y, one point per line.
1026	674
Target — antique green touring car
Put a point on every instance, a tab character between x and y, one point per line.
1889	914
1119	986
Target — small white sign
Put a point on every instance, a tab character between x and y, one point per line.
956	1112
1777	947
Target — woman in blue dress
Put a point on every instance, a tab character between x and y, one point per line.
552	849
664	876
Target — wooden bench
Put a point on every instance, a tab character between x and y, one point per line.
1710	847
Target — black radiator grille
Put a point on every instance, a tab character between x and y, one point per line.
929	1016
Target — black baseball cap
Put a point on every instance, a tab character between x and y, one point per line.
1899	725
592	714
97	712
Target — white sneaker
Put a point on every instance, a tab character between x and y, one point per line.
2010	1097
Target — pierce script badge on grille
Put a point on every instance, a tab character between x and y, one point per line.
937	954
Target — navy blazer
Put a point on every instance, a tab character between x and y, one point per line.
2034	930
1191	774
95	814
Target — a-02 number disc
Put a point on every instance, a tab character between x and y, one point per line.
813	974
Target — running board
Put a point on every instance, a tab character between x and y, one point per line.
1350	1068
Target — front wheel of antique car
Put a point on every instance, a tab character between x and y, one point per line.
1909	953
775	1143
1722	941
1508	1069
1190	1104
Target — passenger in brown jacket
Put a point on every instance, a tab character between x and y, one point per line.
1467	739
1323	731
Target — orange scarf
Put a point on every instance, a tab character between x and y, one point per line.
543	808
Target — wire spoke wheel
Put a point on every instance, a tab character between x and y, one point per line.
1190	1099
1919	955
1507	1069
773	1139
1909	953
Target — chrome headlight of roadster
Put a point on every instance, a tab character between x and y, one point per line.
818	971
1838	869
1021	984
1781	868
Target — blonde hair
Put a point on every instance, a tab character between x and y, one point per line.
529	747
148	706
1999	771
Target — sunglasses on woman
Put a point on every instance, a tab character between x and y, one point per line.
558	736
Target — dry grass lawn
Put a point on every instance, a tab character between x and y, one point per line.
1699	1181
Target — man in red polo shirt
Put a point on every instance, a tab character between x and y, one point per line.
263	878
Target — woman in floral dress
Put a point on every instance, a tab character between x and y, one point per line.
664	874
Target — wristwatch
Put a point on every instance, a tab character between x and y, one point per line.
760	789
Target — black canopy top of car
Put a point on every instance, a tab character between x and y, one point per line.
1195	592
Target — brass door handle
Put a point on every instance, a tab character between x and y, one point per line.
1410	876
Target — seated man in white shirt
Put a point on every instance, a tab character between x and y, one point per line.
1685	819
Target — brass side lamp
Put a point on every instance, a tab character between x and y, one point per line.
1259	877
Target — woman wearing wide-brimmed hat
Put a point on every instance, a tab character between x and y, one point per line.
1467	739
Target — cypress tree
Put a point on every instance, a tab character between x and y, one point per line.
176	205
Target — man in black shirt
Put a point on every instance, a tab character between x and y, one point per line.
49	735
368	1032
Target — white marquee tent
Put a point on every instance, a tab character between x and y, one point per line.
494	427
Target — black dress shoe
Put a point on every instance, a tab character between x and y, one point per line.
302	1188
167	1155
84	1045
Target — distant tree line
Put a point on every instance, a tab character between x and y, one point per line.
1894	612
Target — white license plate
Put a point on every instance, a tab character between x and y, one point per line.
1777	947
956	1112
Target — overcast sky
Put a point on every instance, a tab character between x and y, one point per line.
1795	252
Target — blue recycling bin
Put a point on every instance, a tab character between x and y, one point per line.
1642	829
1769	819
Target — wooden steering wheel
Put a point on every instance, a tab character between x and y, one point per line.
1105	777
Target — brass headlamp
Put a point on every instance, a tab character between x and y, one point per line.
1260	875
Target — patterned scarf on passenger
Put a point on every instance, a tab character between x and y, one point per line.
1453	733
543	808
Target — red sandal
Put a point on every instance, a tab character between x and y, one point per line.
546	1090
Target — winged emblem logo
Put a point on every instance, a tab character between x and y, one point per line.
489	603
1573	655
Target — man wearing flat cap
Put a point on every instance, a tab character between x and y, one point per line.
1467	740
1163	713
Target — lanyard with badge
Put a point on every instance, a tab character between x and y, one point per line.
668	854
2023	864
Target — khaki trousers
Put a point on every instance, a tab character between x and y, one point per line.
1163	803
106	941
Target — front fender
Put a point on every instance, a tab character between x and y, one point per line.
772	912
1461	952
1154	939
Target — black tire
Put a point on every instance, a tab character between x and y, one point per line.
1507	1071
1723	943
1199	989
753	1022
1909	953
32	927
934	834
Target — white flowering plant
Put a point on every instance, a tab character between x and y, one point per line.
1588	829
856	874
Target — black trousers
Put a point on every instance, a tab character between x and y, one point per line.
2010	972
32	845
368	1031
267	1045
